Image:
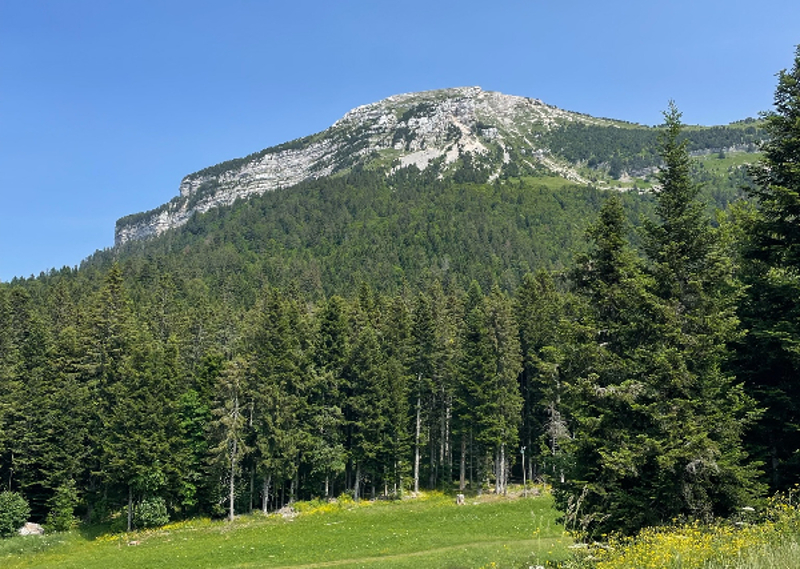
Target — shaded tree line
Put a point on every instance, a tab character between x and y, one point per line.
210	409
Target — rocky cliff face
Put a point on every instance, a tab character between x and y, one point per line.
428	129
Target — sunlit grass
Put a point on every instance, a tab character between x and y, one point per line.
423	532
720	166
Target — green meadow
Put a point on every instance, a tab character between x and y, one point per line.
431	531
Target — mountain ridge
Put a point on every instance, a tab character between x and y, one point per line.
447	129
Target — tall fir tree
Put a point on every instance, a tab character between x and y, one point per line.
769	356
326	451
658	418
277	392
228	428
703	401
614	440
540	311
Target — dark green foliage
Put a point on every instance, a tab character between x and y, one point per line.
613	445
61	516
319	340
768	357
150	512
540	313
228	428
635	149
657	421
14	512
329	235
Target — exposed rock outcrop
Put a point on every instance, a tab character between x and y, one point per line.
419	129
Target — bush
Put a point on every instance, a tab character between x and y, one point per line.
62	506
14	512
150	512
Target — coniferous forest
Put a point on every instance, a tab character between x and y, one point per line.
645	365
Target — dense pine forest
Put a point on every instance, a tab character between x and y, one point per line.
356	343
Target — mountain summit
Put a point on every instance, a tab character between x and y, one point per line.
424	130
463	134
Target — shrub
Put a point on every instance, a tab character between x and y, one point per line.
150	512
62	506
14	512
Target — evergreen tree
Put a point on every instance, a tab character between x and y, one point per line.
30	388
769	357
277	397
704	402
137	420
326	389
423	366
397	345
228	427
658	419
540	309
366	409
489	396
614	440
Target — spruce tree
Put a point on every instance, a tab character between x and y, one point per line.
658	419
540	313
769	356
705	467
228	427
326	451
613	440
276	393
367	411
489	397
397	345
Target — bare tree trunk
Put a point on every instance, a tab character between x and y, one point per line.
448	447
232	485
398	482
416	447
327	487
265	496
442	436
533	470
432	477
130	507
356	488
503	469
497	484
462	475
252	488
471	454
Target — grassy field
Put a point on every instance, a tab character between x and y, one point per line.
418	533
721	166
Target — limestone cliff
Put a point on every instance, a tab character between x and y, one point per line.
428	129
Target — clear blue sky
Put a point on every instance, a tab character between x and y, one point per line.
106	105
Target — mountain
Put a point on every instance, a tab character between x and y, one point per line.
463	134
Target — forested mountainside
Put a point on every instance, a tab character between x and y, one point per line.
329	235
462	134
385	329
